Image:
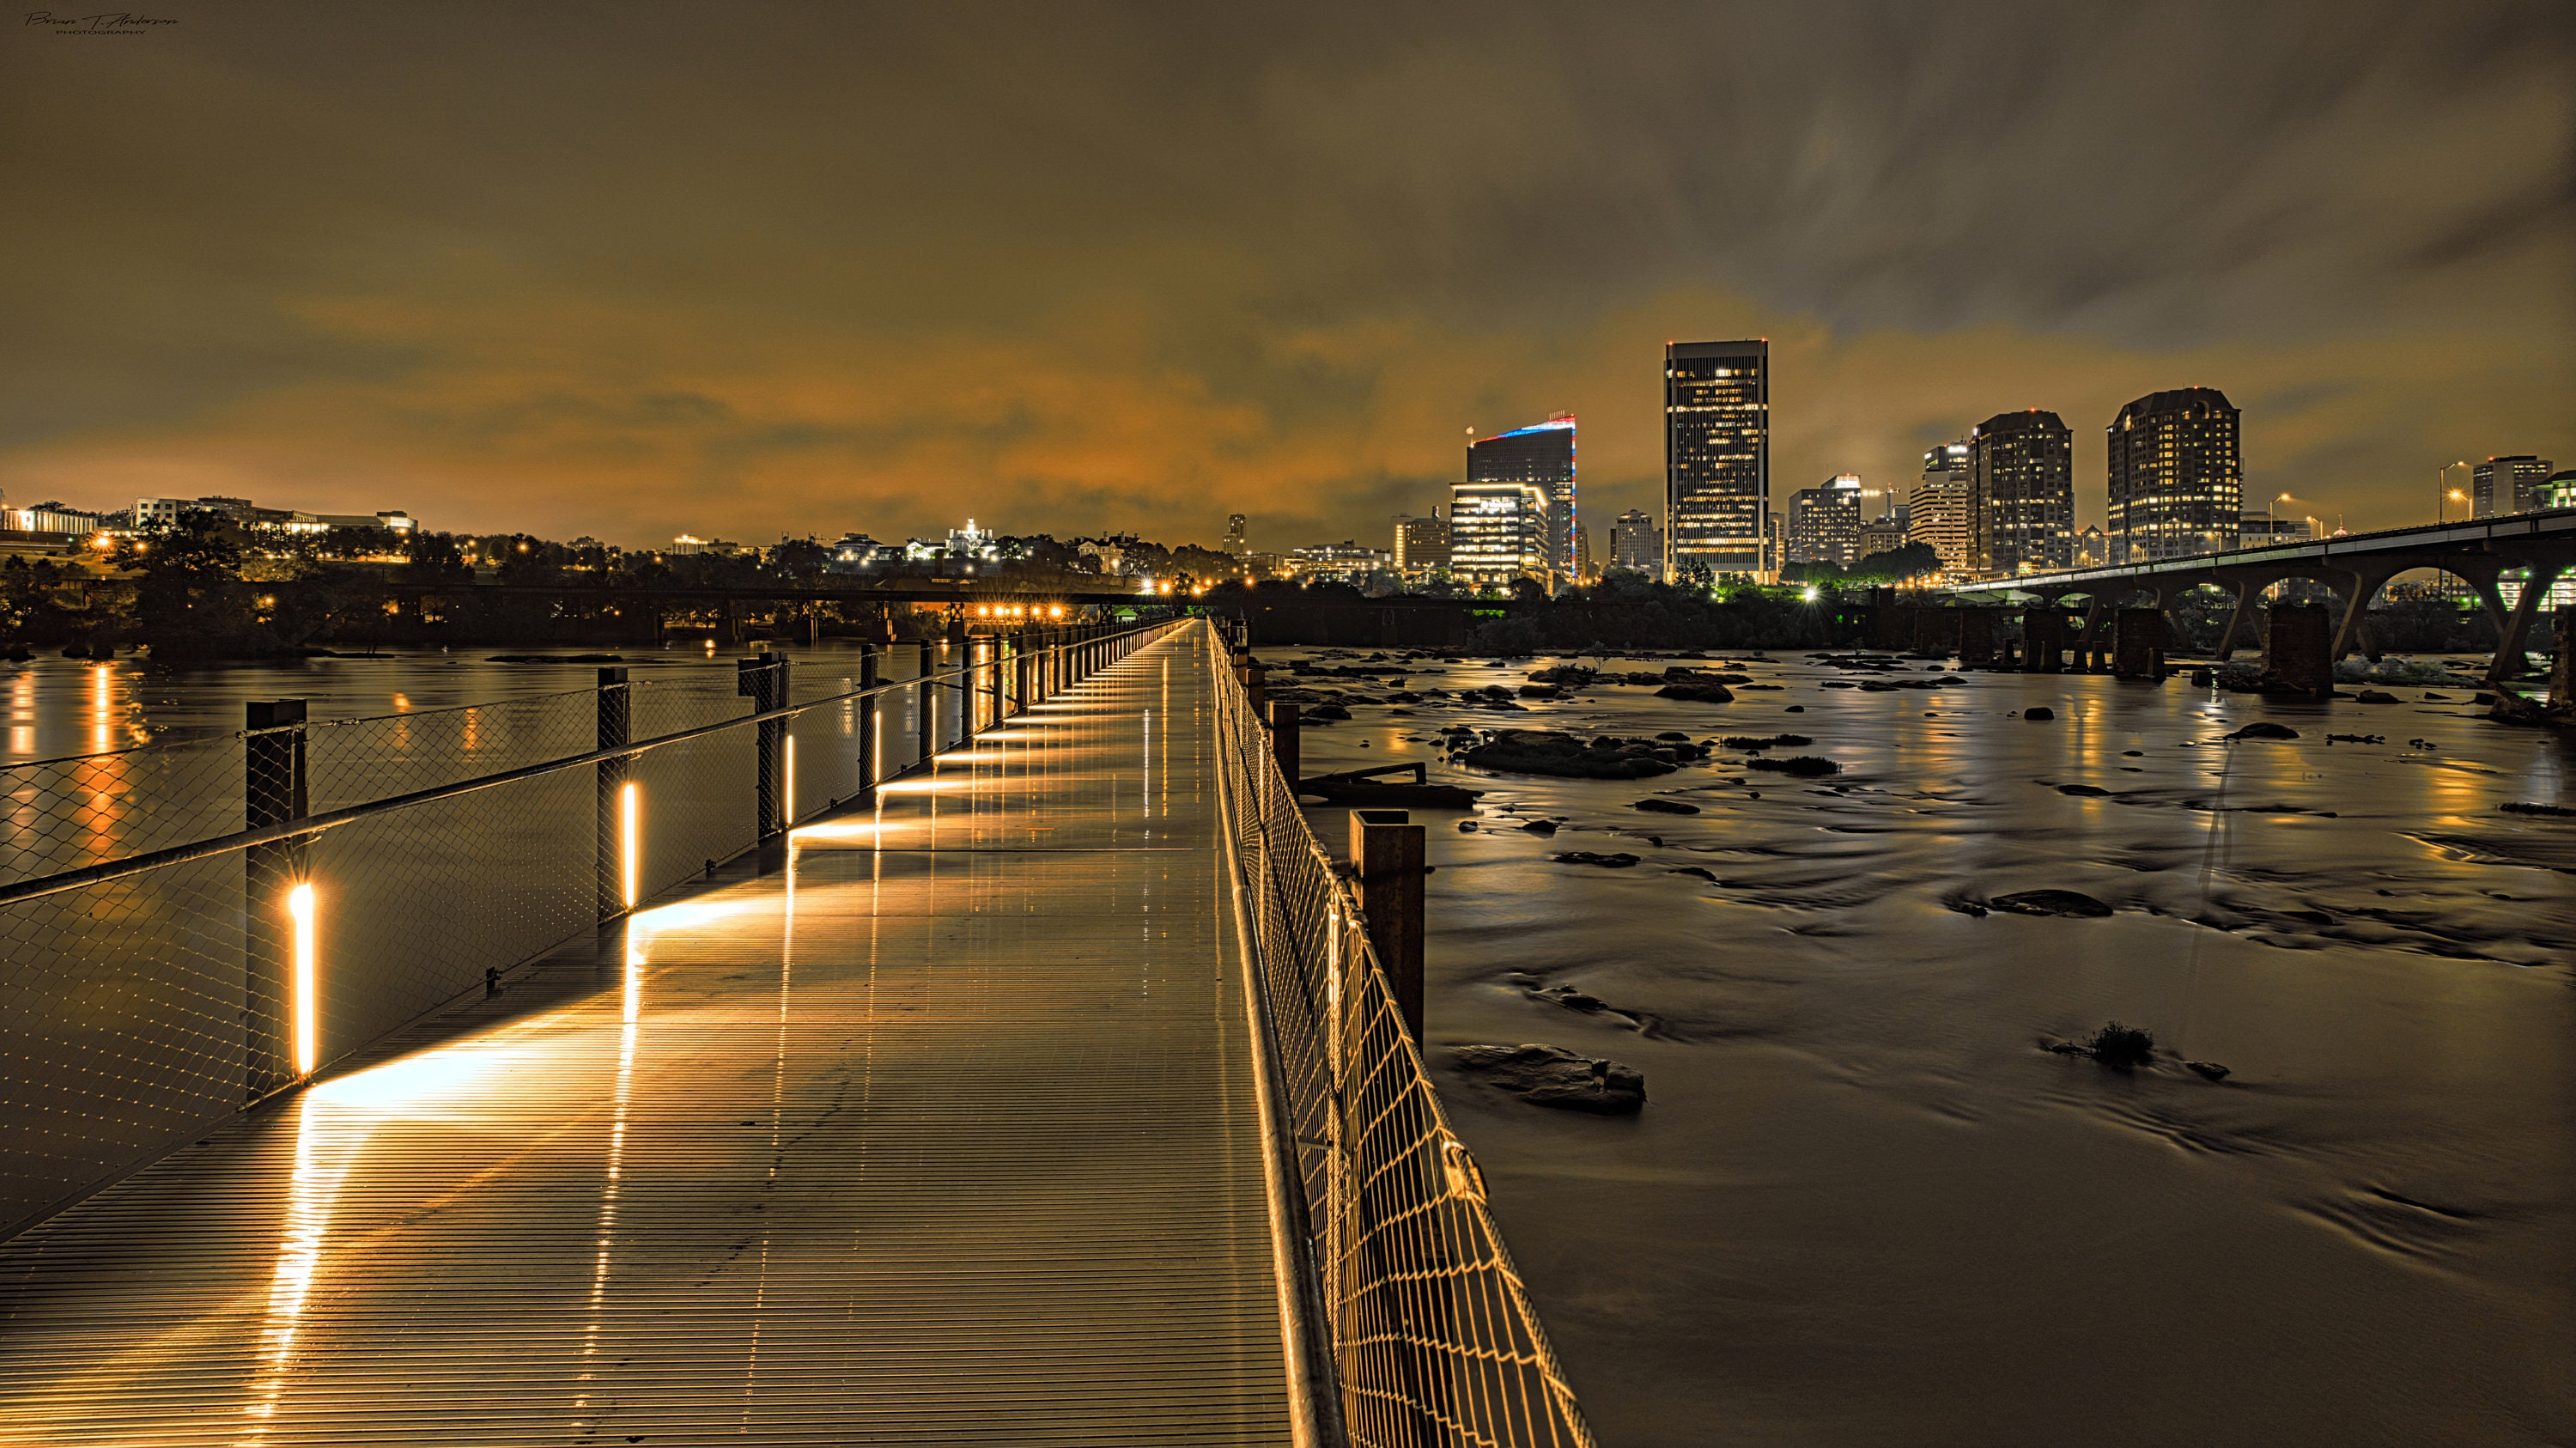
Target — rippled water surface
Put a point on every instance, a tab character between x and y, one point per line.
1865	1205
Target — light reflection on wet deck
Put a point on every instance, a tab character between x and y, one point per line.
942	1133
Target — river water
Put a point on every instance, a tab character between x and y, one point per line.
1864	1204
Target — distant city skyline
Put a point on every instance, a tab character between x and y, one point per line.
553	291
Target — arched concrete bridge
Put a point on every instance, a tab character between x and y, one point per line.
2355	566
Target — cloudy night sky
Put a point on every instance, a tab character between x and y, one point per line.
758	269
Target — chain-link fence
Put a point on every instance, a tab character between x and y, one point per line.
189	928
1433	1338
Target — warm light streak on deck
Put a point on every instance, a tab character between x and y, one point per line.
834	830
413	1083
926	786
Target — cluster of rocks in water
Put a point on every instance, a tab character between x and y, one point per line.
1554	1076
1570	756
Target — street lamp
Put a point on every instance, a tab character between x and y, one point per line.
2444	493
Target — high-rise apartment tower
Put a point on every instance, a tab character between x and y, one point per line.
2177	485
2021	493
1937	516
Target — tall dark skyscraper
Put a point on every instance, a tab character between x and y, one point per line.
1717	456
2177	482
1541	454
2021	493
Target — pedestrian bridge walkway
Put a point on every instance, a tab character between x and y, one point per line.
945	1129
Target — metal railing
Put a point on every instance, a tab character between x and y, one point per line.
1429	1332
188	929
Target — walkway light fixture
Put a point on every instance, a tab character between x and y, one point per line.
630	840
307	1030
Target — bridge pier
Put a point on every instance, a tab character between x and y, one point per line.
2366	581
2237	617
2043	634
1977	635
2138	641
1936	631
2509	657
2298	652
1890	624
2562	668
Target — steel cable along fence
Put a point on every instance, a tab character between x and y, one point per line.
1434	1339
135	1010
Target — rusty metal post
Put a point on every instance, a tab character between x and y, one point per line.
1386	856
1283	743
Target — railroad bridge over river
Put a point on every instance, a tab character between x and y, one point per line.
979	1049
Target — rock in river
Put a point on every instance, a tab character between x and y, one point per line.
1547	751
1665	806
1619	861
2040	712
2068	903
2263	729
1693	692
1554	1076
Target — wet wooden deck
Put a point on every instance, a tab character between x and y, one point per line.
943	1133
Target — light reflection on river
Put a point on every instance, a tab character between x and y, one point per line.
1864	1206
61	707
105	760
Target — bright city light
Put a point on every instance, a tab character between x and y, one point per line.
1810	595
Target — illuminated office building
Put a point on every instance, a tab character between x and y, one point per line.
1717	457
1825	522
1541	455
1636	544
1421	544
2508	485
1499	532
